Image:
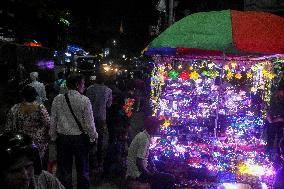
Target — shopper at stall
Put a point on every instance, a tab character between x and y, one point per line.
137	159
275	117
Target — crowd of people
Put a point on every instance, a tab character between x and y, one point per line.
88	127
85	126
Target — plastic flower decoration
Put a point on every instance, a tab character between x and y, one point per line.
185	75
173	74
128	106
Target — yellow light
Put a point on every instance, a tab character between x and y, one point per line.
233	64
210	65
265	72
249	75
106	68
194	75
226	67
166	124
238	76
271	76
254	169
230	75
253	89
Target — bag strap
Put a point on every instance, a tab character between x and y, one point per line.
69	105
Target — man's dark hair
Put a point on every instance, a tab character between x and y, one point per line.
100	78
73	80
29	93
60	75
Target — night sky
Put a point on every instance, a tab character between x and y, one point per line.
101	20
94	23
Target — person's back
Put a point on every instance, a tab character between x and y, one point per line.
39	87
31	118
71	121
99	96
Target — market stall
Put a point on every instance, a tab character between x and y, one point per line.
213	75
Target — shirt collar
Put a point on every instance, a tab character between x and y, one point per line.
148	135
72	91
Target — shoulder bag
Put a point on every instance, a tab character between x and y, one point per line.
85	136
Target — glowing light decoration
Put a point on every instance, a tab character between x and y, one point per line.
45	64
185	75
214	118
128	106
173	74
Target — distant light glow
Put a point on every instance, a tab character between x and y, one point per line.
45	64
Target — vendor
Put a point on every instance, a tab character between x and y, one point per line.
138	166
275	116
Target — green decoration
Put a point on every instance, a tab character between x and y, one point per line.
173	74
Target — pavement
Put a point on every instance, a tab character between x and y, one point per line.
104	184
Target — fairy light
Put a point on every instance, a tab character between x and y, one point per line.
185	94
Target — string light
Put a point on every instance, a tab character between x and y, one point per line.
202	97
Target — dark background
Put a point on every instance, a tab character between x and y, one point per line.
93	24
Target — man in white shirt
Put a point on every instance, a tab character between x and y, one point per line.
69	139
137	159
39	87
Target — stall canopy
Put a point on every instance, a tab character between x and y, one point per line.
227	31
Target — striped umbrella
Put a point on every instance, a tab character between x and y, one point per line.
226	31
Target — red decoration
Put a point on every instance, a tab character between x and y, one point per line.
185	75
